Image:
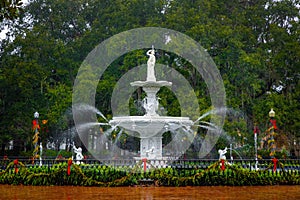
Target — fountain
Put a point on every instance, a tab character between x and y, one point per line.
154	129
151	126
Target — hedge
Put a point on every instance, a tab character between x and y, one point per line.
17	173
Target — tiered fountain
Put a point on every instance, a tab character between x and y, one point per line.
151	126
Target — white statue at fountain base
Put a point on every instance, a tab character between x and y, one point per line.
78	152
222	153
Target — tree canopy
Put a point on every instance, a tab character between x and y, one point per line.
255	45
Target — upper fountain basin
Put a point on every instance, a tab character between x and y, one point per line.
148	126
157	84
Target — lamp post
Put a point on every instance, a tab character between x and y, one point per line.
272	132
35	127
255	144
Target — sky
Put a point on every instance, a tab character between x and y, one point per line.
2	34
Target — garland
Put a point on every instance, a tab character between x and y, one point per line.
215	174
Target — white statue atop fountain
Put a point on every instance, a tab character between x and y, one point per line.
78	152
151	64
222	153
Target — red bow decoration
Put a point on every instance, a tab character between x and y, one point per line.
222	164
256	130
16	162
145	164
69	167
35	124
273	122
274	160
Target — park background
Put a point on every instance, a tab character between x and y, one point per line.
255	45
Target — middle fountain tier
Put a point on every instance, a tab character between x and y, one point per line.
151	126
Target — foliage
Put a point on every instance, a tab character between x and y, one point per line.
106	176
56	154
9	9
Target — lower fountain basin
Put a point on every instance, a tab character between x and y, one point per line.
148	126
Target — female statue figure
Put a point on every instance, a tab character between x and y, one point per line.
150	65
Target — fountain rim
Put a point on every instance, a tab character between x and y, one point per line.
134	123
151	83
151	118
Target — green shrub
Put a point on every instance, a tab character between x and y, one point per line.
102	175
54	153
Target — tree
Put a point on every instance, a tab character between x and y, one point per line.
9	9
255	45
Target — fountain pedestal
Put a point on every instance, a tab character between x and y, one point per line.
151	148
